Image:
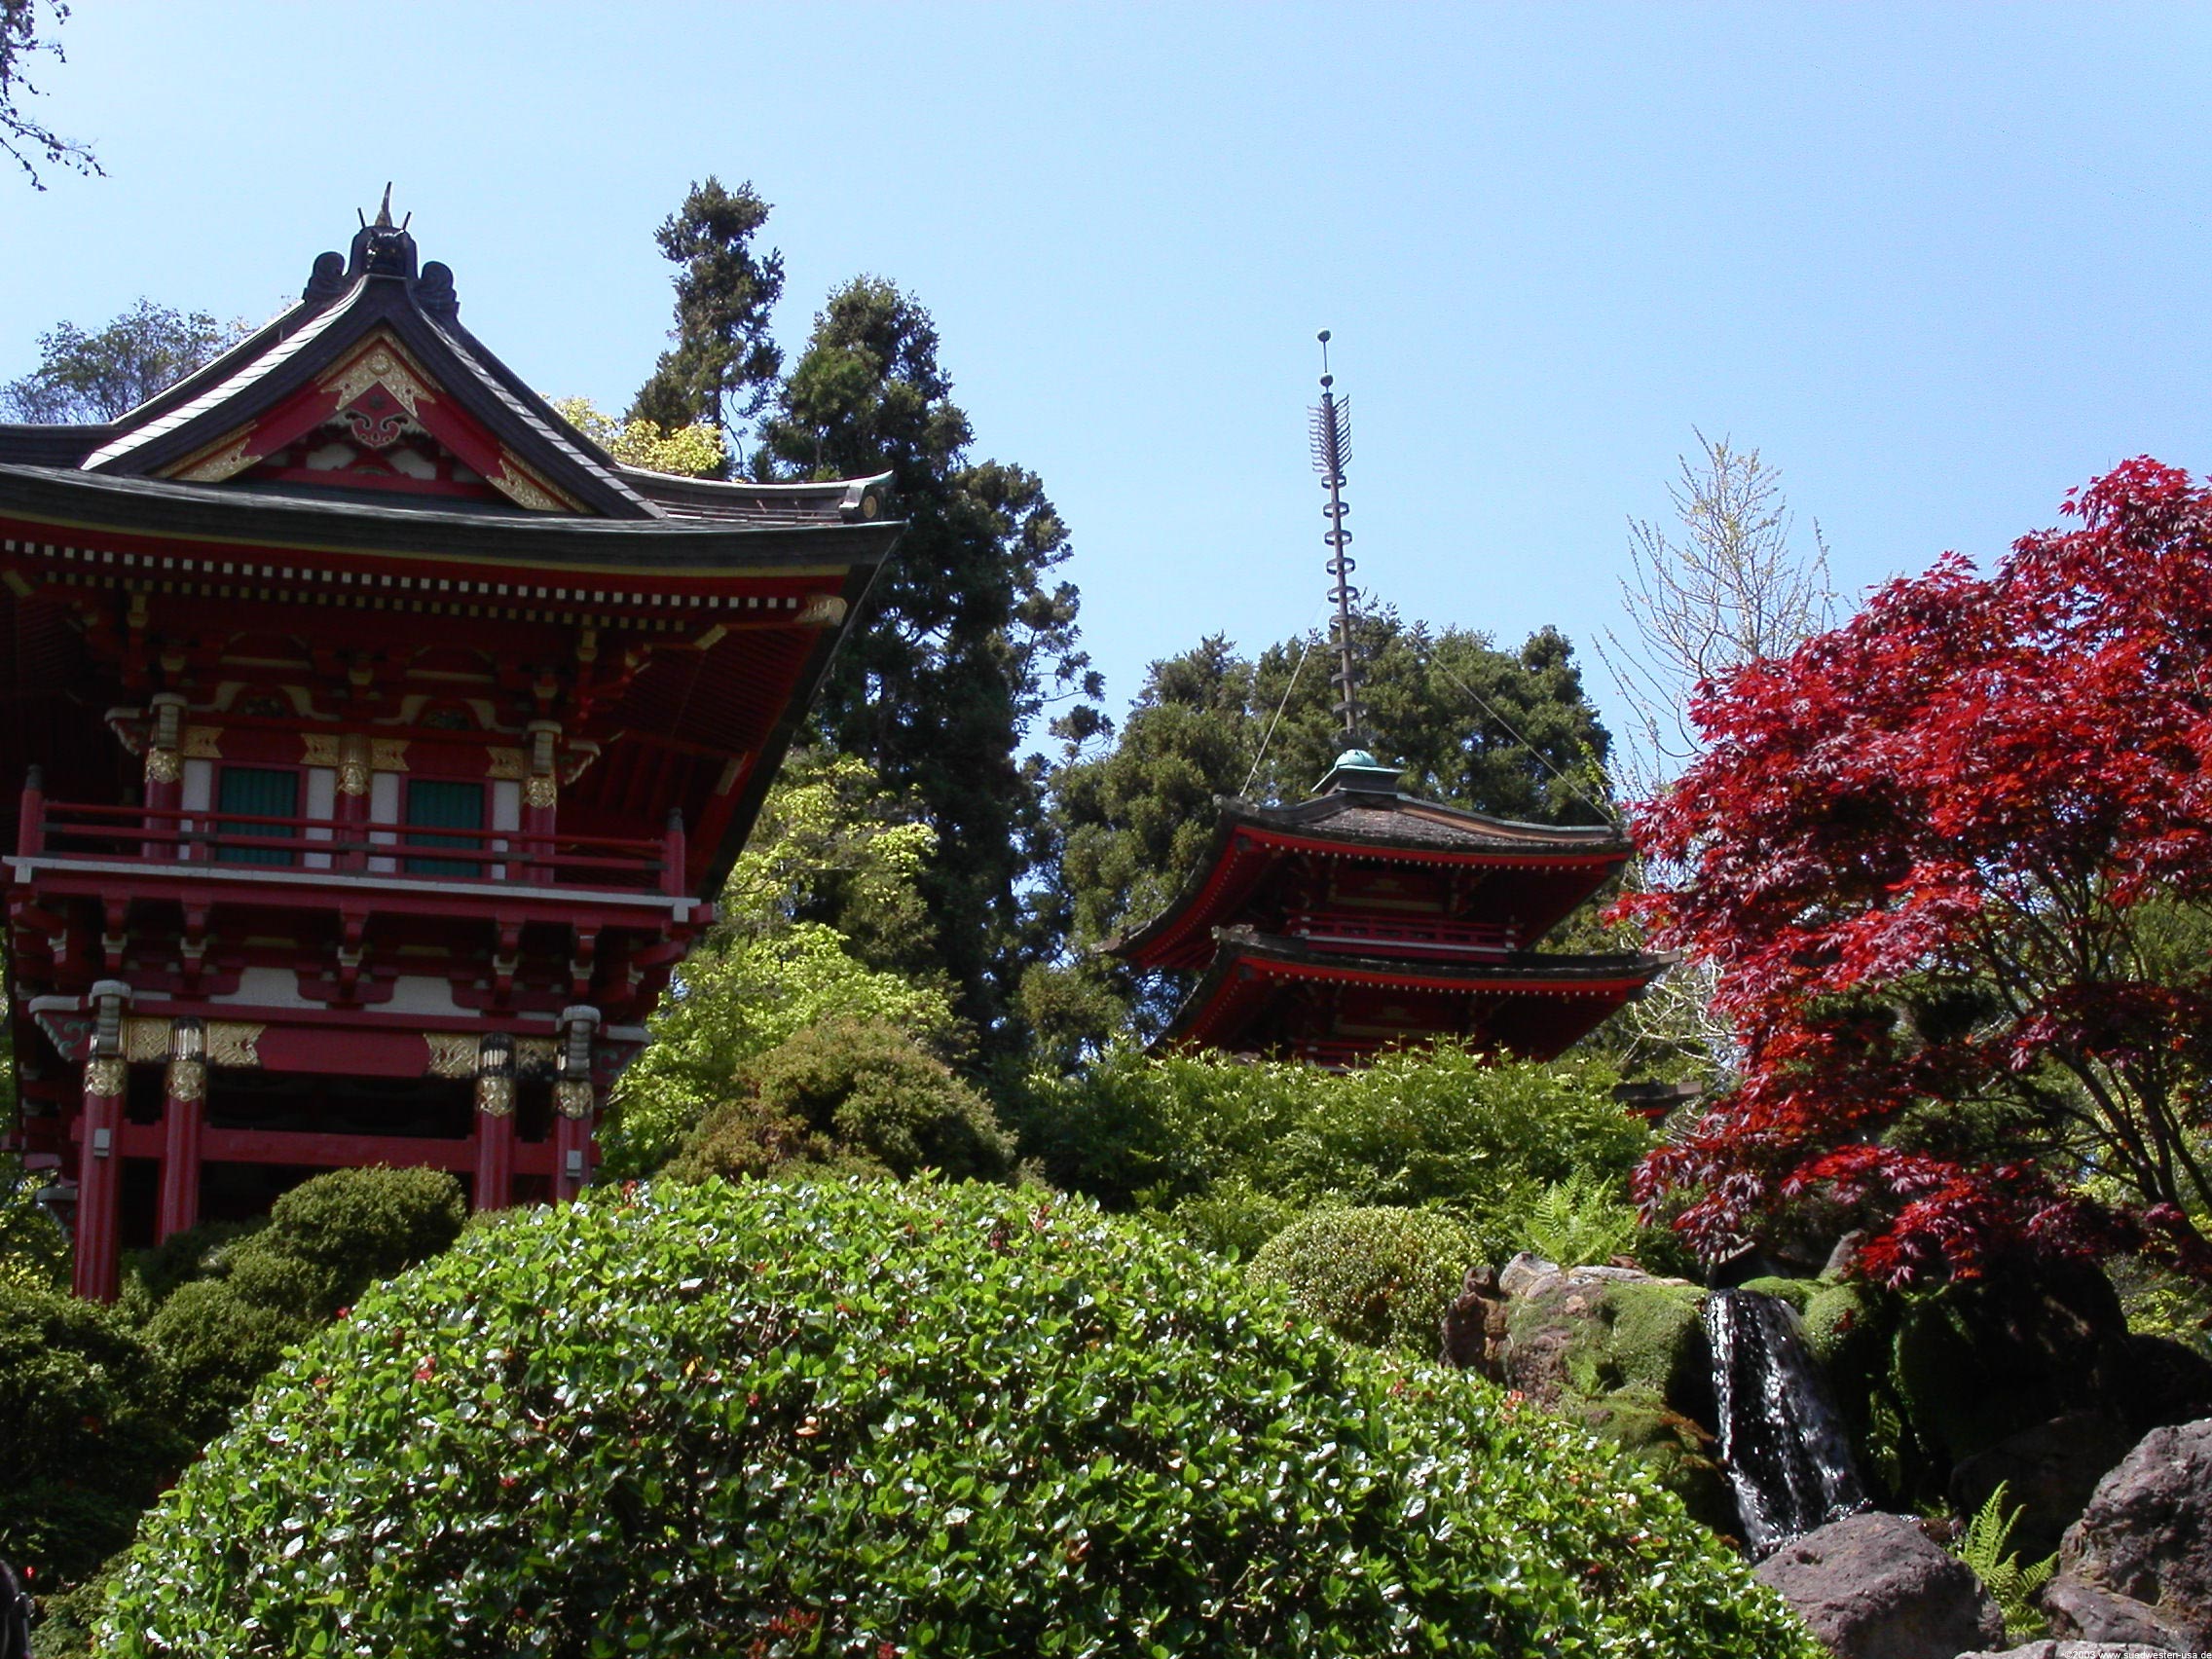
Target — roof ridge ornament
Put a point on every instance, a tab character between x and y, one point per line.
1331	434
382	249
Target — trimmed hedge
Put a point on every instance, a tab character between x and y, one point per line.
878	1420
1380	1277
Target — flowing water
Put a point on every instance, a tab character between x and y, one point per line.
1781	1439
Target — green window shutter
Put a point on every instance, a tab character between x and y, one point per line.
268	791
443	804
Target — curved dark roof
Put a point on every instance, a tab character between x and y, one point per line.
1369	820
379	287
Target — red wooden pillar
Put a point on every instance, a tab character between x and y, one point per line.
164	775
494	1122
575	1103
184	1117
353	801
99	1171
541	801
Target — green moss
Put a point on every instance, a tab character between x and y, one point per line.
1796	1292
1676	1452
1645	1336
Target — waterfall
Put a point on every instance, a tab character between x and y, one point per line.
1781	1440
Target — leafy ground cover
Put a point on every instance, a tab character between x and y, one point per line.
875	1418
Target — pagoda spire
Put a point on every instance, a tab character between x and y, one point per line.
1332	448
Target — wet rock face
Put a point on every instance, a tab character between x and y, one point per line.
1875	1586
2137	1566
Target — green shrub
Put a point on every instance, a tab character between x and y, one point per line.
325	1241
149	1276
82	1447
881	1418
851	1091
33	1249
1381	1278
1441	1127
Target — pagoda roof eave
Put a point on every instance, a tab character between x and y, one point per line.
88	504
1614	977
1472	838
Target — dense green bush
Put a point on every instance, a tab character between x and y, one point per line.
33	1249
1378	1277
1234	1150
326	1241
855	1091
881	1418
83	1447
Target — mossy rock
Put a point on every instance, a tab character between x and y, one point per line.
1796	1292
1979	1360
1679	1453
1598	1338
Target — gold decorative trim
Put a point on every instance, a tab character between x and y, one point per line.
230	1043
319	748
164	767
525	488
573	1097
506	763
453	1053
541	793
145	1037
224	459
383	364
202	743
388	754
186	1081
106	1075
494	1095
537	1056
823	610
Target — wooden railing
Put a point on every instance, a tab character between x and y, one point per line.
1416	934
246	841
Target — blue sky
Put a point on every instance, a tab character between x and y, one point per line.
1938	263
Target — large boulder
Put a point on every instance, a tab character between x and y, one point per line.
2137	1566
1875	1586
2049	1472
1597	1331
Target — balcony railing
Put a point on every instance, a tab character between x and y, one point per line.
1403	935
248	841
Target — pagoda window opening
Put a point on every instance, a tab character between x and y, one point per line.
258	791
445	803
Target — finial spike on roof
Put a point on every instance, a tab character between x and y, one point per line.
1332	449
383	213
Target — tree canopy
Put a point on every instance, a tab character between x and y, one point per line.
722	372
964	641
97	377
26	31
1953	862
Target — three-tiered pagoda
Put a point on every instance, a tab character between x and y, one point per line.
379	742
1363	919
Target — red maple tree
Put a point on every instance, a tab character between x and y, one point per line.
1953	864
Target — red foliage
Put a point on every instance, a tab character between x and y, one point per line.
1932	855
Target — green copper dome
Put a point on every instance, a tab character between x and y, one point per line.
1356	758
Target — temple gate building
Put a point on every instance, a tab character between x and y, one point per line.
379	742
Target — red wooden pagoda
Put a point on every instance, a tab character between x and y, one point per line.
1363	919
380	740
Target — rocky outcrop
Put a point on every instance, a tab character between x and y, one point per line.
2050	1473
1875	1586
2137	1566
1472	1335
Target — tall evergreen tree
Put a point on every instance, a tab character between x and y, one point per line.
965	641
722	370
